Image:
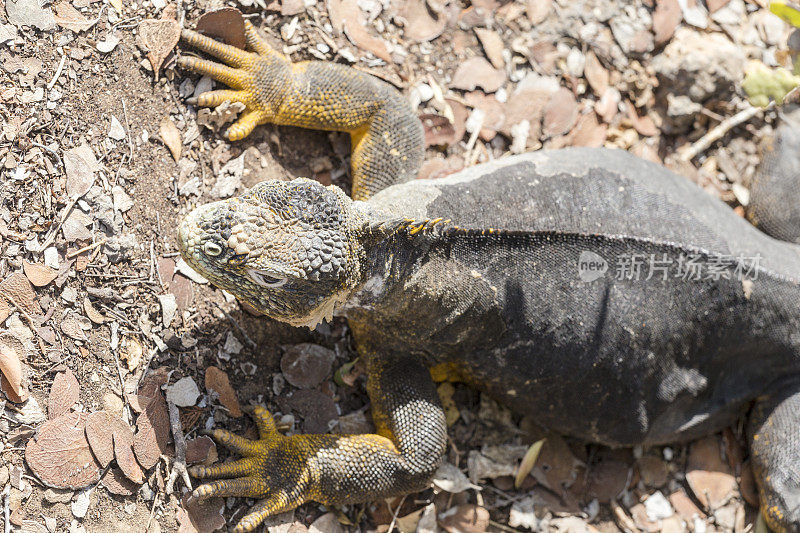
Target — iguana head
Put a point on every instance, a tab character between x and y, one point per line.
289	249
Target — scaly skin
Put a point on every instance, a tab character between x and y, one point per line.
387	138
495	301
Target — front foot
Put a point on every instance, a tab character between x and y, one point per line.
273	470
245	72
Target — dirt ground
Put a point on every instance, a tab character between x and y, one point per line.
109	304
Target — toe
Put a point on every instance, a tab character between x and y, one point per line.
244	487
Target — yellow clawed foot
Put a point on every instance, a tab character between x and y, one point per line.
271	470
241	71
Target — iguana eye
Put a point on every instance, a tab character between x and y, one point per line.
266	280
211	248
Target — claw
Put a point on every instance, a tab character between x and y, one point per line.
215	98
227	53
225	74
248	487
254	40
240	468
234	442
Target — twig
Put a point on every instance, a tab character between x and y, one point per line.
92	246
625	522
7	508
128	126
232	320
58	71
503	527
719	131
152	512
179	464
394	516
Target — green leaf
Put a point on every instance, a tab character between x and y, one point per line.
763	84
788	11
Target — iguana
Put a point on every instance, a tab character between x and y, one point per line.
607	295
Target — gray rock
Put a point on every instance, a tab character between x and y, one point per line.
30	13
700	65
121	248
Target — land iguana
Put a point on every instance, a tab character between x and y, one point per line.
611	297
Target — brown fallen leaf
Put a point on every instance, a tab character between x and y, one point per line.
225	24
116	483
709	477
195	516
560	113
347	17
537	10
60	456
492	45
438	130
11	356
666	18
100	427
152	431
644	125
596	74
217	381
159	37
607	479
18	291
70	18
72	326
123	452
201	450
468	518
64	393
438	167
171	136
39	275
588	131
91	312
420	23
5	310
306	365
494	114
478	72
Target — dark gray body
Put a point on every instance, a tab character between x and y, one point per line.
617	361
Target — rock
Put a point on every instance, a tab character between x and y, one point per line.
121	247
666	18
700	66
657	507
183	393
630	31
30	13
681	112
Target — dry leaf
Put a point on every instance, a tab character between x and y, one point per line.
132	354
589	131
225	24
478	72
60	455
159	37
197	516
64	393
201	450
596	74
537	10
644	125
93	314
72	327
123	451
39	275
492	45
468	518
70	18
560	113
100	435
171	136
18	291
709	477
438	130
420	23
347	17
5	310
152	431
116	483
11	366
217	381
80	165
